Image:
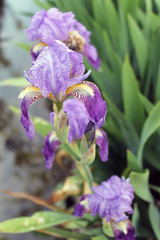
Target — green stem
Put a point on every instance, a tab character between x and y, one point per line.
89	175
83	169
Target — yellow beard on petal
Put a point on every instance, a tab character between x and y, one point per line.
75	41
79	90
30	91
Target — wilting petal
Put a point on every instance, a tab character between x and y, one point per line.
52	25
112	199
28	96
36	49
101	141
51	70
123	230
81	208
51	143
89	94
78	118
91	54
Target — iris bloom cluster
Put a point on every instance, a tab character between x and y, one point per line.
47	26
111	200
58	74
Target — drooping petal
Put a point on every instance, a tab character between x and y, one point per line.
51	143
78	118
28	96
123	230
89	94
51	70
36	49
91	54
101	141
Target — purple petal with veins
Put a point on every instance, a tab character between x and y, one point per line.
51	70
89	94
28	96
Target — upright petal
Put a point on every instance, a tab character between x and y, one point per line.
51	70
33	31
51	143
50	25
28	96
78	118
101	141
89	94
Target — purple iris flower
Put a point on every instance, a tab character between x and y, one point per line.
58	74
50	25
111	200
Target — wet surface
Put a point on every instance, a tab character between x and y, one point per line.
22	168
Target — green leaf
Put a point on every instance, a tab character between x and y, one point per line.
148	106
141	231
133	162
151	124
26	47
14	82
157	89
112	22
139	43
140	184
42	126
107	229
154	217
44	5
129	134
131	100
155	188
100	237
39	220
58	232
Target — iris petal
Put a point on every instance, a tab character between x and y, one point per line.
123	230
101	141
36	49
91	54
78	118
89	94
51	143
28	96
51	70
